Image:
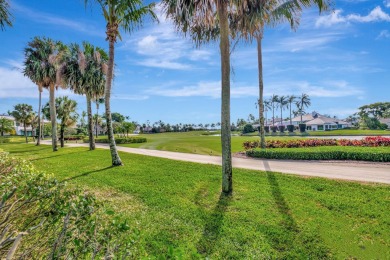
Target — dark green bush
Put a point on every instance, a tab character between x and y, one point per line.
282	128
302	128
290	128
319	155
266	128
248	128
54	221
274	129
4	140
126	140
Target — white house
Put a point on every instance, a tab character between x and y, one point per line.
19	129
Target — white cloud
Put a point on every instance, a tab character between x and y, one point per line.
384	34
162	47
46	18
129	97
376	15
294	44
387	3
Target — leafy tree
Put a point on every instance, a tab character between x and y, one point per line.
23	114
302	102
128	15
6	126
377	110
44	64
128	127
5	16
117	117
248	128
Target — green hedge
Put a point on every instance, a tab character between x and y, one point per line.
318	154
4	140
128	140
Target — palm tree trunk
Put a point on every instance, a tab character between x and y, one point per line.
90	126
273	115
97	117
62	130
290	115
53	118
116	160
25	131
42	128
281	114
261	90
39	117
227	174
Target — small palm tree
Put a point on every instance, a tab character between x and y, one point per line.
291	99
66	113
282	101
127	15
6	126
5	16
274	101
302	103
98	102
23	114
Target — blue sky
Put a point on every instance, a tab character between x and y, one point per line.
341	59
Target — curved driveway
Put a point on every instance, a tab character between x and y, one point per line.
351	170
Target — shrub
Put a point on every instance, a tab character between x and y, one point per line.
302	128
266	129
319	155
124	140
290	128
74	137
274	129
248	128
4	140
281	128
41	217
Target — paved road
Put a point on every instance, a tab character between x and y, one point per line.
352	171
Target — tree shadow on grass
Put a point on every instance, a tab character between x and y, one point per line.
288	238
86	174
212	229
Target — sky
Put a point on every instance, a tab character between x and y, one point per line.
340	58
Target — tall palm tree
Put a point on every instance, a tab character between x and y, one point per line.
44	64
66	114
274	101
98	102
85	74
302	103
282	103
206	21
258	14
127	15
5	16
23	114
291	99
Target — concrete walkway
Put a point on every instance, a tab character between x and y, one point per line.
352	171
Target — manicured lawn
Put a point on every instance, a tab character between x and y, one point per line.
379	154
190	142
178	209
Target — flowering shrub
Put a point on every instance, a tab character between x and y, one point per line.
367	141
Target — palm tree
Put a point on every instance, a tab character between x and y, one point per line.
274	101
128	15
23	114
258	14
267	106
44	64
282	103
66	113
199	19
291	99
5	16
302	103
98	102
6	126
86	75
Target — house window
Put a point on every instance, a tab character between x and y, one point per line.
320	127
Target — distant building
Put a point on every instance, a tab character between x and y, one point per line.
19	128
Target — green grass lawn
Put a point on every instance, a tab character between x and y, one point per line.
178	210
190	142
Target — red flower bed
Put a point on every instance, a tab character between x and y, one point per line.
367	141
